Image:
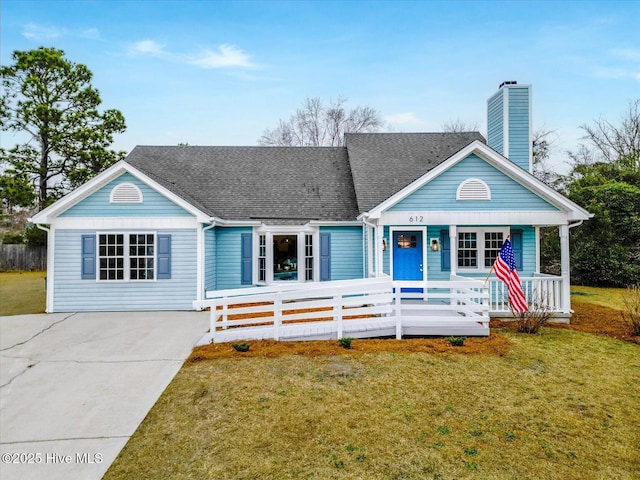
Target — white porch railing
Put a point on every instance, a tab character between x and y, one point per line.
544	290
355	308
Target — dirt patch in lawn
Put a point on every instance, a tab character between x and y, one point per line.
495	344
590	318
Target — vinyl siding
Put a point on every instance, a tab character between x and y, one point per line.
228	246
71	293
97	204
519	140
386	255
440	193
346	252
434	259
495	122
210	259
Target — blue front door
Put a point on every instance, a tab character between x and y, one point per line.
407	255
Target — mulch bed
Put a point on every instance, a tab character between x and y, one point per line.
590	318
587	317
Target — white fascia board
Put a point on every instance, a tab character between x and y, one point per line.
540	217
49	214
506	166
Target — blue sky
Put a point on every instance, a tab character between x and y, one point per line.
219	73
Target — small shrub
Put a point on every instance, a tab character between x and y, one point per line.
345	342
456	341
11	238
35	237
631	309
241	347
539	314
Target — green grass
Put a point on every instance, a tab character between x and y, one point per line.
560	404
22	292
607	297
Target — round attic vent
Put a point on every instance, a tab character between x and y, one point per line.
473	189
126	193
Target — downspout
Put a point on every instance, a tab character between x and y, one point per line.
50	264
577	224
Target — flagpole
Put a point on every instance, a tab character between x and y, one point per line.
488	275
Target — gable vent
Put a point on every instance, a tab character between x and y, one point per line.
126	193
473	189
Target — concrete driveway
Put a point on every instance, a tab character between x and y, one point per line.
75	386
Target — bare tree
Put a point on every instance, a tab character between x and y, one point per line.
542	147
459	126
606	142
317	124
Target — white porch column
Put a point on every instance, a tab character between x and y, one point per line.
537	229
453	244
565	268
379	252
370	251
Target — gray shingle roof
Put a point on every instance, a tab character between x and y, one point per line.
296	184
384	163
262	183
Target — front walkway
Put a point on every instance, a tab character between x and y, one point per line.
75	386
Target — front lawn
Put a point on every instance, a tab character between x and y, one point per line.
560	404
22	292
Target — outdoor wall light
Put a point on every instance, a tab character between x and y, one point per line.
435	244
384	244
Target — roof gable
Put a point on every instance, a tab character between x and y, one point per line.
100	203
385	163
76	197
440	193
503	165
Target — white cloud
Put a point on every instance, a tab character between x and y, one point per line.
147	47
626	53
33	31
402	118
91	33
226	56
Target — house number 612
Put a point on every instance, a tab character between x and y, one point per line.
416	219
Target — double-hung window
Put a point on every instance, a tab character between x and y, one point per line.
126	256
479	247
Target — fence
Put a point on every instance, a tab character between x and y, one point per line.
362	308
22	257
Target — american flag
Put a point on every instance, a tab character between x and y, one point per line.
505	268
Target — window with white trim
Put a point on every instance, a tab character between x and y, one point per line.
126	256
262	258
285	254
479	247
308	257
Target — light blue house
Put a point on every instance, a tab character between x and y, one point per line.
168	224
